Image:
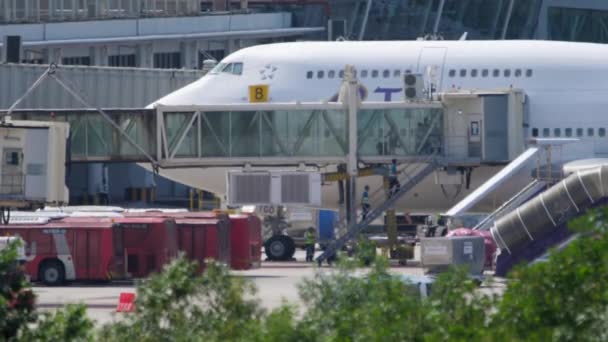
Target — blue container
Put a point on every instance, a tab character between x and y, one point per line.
327	223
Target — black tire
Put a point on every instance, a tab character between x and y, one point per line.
280	248
52	273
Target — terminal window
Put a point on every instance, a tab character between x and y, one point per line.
168	60
83	60
121	61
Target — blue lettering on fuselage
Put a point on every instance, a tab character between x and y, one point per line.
388	92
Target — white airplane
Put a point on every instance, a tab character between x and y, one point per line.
566	85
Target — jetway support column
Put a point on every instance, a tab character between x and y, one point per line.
352	104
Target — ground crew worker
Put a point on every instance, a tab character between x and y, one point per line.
309	239
365	203
393	180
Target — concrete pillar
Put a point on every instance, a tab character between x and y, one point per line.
144	53
102	55
189	54
7	13
55	55
93	55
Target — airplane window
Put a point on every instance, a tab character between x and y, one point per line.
517	72
568	132
463	72
320	74
579	132
528	72
363	73
485	72
397	73
452	73
590	132
507	73
386	73
474	73
237	68
341	74
601	132
546	132
534	132
309	74
331	74
495	72
217	68
228	68
374	73
408	71
557	132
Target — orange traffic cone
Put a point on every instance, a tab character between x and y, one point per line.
126	302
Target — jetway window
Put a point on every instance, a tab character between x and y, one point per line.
507	72
452	73
331	74
517	72
579	132
529	73
386	73
485	73
546	132
363	73
474	73
397	73
374	73
557	132
590	132
534	132
320	74
309	74
568	132
601	132
463	72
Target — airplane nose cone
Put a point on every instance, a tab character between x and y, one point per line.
210	89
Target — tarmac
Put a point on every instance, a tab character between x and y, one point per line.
276	282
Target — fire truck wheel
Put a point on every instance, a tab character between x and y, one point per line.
52	273
280	248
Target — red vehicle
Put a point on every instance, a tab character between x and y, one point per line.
59	251
202	239
142	245
245	242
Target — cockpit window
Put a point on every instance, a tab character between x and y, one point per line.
237	68
218	68
229	68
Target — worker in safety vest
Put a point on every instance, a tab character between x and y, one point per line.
309	239
365	206
393	179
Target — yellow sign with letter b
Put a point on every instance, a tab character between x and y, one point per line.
258	93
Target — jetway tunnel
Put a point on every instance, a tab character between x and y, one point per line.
540	223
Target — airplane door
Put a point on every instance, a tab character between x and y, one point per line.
430	64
